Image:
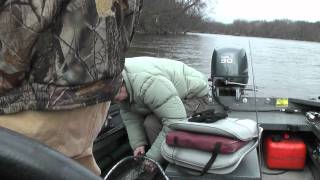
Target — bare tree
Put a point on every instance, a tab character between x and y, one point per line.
171	16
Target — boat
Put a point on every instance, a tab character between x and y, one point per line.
230	93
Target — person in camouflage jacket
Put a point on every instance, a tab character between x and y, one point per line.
62	54
62	57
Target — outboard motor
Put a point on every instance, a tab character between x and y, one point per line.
229	72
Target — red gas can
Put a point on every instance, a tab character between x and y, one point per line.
284	152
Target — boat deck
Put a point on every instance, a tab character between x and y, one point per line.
248	169
289	175
271	121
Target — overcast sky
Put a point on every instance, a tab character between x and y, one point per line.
228	10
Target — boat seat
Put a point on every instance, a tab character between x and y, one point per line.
247	170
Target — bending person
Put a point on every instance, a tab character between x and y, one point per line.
157	92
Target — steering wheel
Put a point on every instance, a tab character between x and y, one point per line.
22	158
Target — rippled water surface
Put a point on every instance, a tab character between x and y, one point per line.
282	68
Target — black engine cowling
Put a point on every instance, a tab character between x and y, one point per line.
229	64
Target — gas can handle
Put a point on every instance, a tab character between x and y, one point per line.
286	136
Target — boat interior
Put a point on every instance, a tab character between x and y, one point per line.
112	144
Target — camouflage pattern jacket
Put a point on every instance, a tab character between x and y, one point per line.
62	54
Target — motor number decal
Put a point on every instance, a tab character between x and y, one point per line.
226	60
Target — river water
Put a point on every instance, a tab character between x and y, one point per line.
282	68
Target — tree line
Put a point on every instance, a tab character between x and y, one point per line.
282	29
182	16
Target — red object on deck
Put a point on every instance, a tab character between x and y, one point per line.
284	152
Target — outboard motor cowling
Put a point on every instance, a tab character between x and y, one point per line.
229	72
229	65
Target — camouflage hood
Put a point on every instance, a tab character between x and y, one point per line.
62	54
